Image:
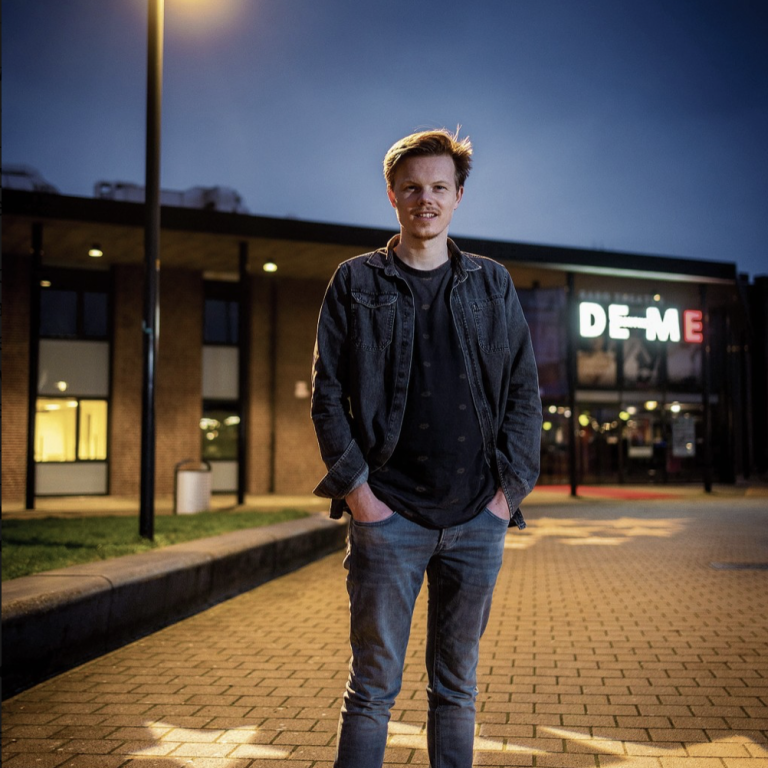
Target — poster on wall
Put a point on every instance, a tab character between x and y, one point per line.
642	362
596	362
544	310
683	438
684	365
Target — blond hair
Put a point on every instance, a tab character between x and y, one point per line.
423	143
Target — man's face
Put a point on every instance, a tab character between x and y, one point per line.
424	195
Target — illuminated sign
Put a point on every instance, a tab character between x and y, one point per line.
594	320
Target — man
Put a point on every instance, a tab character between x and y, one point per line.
426	406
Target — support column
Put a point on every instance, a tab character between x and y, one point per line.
572	324
34	359
243	383
706	379
272	383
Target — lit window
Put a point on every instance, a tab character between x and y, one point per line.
67	429
92	434
55	430
219	429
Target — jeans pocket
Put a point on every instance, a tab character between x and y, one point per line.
375	523
501	520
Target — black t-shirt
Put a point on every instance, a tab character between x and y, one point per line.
437	475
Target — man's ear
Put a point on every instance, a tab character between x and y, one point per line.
459	195
391	196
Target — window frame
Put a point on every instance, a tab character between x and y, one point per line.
81	282
227	292
79	399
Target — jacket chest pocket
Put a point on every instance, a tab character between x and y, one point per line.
491	324
373	318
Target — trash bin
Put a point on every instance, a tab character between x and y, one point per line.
192	489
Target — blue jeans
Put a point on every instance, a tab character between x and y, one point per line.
387	561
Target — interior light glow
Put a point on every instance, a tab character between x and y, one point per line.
95	251
584	420
651	405
546	426
624	415
675	407
270	266
45	283
552	409
61	386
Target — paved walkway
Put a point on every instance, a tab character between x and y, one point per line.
613	642
94	506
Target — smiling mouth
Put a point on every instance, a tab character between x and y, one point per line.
425	215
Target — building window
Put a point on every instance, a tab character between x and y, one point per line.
219	428
545	312
58	314
221	313
70	429
74	304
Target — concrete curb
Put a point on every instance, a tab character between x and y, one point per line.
56	620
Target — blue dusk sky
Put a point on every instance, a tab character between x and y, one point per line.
629	125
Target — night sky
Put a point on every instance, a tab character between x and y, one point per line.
630	125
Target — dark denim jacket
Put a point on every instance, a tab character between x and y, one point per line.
362	363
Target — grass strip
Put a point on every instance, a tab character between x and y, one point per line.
32	546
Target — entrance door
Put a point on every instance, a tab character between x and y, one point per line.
599	443
644	445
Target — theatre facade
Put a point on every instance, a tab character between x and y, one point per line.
652	370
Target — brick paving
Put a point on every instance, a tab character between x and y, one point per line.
612	642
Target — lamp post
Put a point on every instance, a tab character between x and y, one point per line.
151	265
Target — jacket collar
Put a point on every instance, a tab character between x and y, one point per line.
383	259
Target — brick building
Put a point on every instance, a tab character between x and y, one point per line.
647	364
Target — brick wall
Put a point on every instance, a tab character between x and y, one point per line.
178	393
15	362
179	373
298	466
125	402
259	422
